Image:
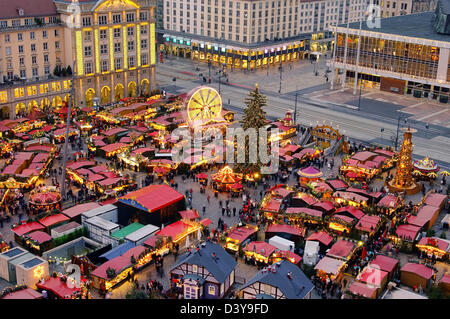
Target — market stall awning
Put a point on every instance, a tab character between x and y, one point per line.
435	242
321	237
330	265
325	205
189	214
363	156
418	269
27	228
284	228
341	249
281	190
113	147
435	199
53	219
388	201
362	289
407	232
304	210
384	263
261	248
27	293
110	181
58	287
205	222
241	233
337	184
79	209
351	210
368	223
79	164
152	198
39	236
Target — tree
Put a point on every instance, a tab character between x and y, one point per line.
110	273
69	70
135	293
133	260
57	71
64	72
254	117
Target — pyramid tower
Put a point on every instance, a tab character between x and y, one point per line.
403	180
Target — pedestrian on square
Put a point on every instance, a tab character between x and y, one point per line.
204	209
223	211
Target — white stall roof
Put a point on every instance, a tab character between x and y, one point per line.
281	243
99	210
142	232
102	223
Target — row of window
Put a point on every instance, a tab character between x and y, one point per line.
27	22
88	66
103	34
116	18
117	47
32	35
20	48
23	73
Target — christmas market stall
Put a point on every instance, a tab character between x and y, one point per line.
59	287
60	134
361	166
258	252
425	169
350	198
434	248
416	275
331	268
53	220
30	272
37	242
389	204
373	276
45	198
323	238
304	215
238	236
361	290
290	232
385	263
154	204
25	228
20	292
368	224
343	249
280	255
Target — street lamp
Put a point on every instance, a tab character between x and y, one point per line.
209	66
281	74
221	74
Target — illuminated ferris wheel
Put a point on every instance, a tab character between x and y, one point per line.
204	104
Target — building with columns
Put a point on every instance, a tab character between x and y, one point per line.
392	8
398	57
108	45
251	34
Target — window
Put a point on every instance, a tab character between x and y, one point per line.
116	18
117	33
22	61
3	24
102	20
88	68
86	21
103	49
211	290
7	38
130	30
23	74
19	36
117	64
102	34
19	92
20	48
87	51
31	90
16	23
33	59
8	50
117	47
143	44
130	45
44	34
131	61
56	44
130	17
45	46
45	58
104	65
144	59
56	33
3	97
144	29
43	88
143	16
46	70
87	36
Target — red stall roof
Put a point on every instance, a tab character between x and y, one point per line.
114	131
174	230
384	263
113	147
53	219
418	269
273	205
368	223
388	201
79	209
435	199
407	231
153	197
43	148
341	249
280	190
27	228
350	196
325	205
308	211
11	169
79	164
242	233
289	254
189	214
41	157
205	222
425	214
109	181
27	293
39	236
288	229
373	276
261	248
309	199
441	244
58	287
363	156
352	210
337	184
321	237
362	289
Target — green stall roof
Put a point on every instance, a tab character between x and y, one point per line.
124	232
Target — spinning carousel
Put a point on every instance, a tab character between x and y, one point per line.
225	179
425	168
46	198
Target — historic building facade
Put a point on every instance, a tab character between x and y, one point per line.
108	45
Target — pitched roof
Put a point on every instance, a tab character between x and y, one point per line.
10	9
296	288
289	229
220	267
321	237
418	269
425	214
152	198
341	249
330	265
384	263
362	289
53	219
435	199
79	209
261	248
241	233
407	231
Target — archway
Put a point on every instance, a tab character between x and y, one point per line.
4	113
57	101
132	89
45	103
89	97
33	105
67	98
145	86
118	92
106	94
20	108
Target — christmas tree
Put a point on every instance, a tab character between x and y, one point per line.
254	117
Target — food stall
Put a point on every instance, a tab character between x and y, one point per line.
434	247
30	272
238	235
259	251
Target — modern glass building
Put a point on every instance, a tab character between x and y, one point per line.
406	55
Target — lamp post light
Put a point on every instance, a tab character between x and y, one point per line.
222	73
280	68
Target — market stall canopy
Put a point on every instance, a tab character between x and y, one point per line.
310	172
304	210
241	233
79	164
39	236
303	152
439	243
273	205
114	131
384	263
284	228
206	222
53	219
408	232
435	199
152	198
362	289
202	176
330	265
289	255
45	198
174	230
425	214
368	223
325	205
40	148
143	150
307	198
418	269
351	210
281	190
388	201
114	147
26	293
110	181
58	287
363	156
261	248
341	249
350	196
189	214
27	228
372	276
337	184
236	186
321	237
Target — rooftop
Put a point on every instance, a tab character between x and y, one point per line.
10	9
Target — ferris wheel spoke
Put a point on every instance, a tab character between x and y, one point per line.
214	97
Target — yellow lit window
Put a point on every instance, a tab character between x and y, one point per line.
56	86
19	92
3	97
65	85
